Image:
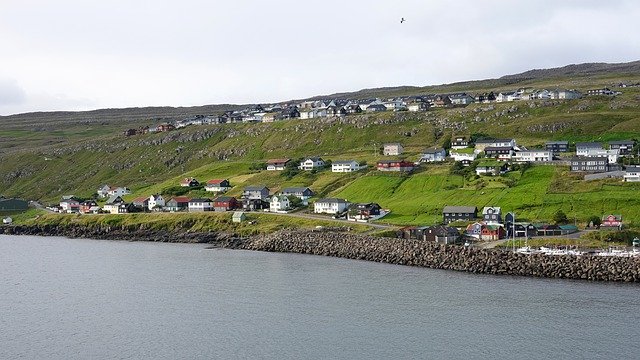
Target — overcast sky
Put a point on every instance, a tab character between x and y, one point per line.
85	54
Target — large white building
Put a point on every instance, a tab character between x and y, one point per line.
632	174
533	155
311	163
156	200
330	206
343	166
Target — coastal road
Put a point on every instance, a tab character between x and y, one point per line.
342	221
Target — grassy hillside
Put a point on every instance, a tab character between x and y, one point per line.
43	163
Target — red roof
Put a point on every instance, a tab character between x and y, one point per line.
277	161
215	181
141	199
181	199
187	180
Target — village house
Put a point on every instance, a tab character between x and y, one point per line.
218	185
238	217
255	204
115	205
508	96
392	149
279	204
103	191
461	99
395	165
492	232
364	211
459	142
440	101
118	191
465	156
277	164
353	109
603	91
459	213
376	108
612	155
433	155
200	205
189	182
156	202
259	192
533	155
330	206
416	106
624	147
178	203
311	163
557	146
612	221
493	168
482	144
590	164
583	148
344	166
492	215
565	94
632	174
441	234
500	153
89	207
302	193
69	206
142	202
225	203
474	230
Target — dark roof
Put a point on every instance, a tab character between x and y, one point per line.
460	209
343	162
557	143
295	189
622	142
589	144
200	200
224	198
332	200
255	188
497	148
632	169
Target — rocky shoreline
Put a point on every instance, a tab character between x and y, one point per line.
378	249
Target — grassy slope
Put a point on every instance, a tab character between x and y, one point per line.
154	163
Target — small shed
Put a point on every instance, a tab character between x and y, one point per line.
7	220
239	216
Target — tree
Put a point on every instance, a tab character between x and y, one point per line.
446	143
294	201
595	220
560	217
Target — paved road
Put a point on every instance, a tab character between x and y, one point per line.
325	218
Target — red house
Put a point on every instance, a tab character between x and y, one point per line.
492	232
225	203
612	221
395	165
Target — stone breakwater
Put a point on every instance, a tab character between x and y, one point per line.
124	233
378	249
459	258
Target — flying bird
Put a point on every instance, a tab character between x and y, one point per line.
402	20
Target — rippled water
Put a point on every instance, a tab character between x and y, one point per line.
68	298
